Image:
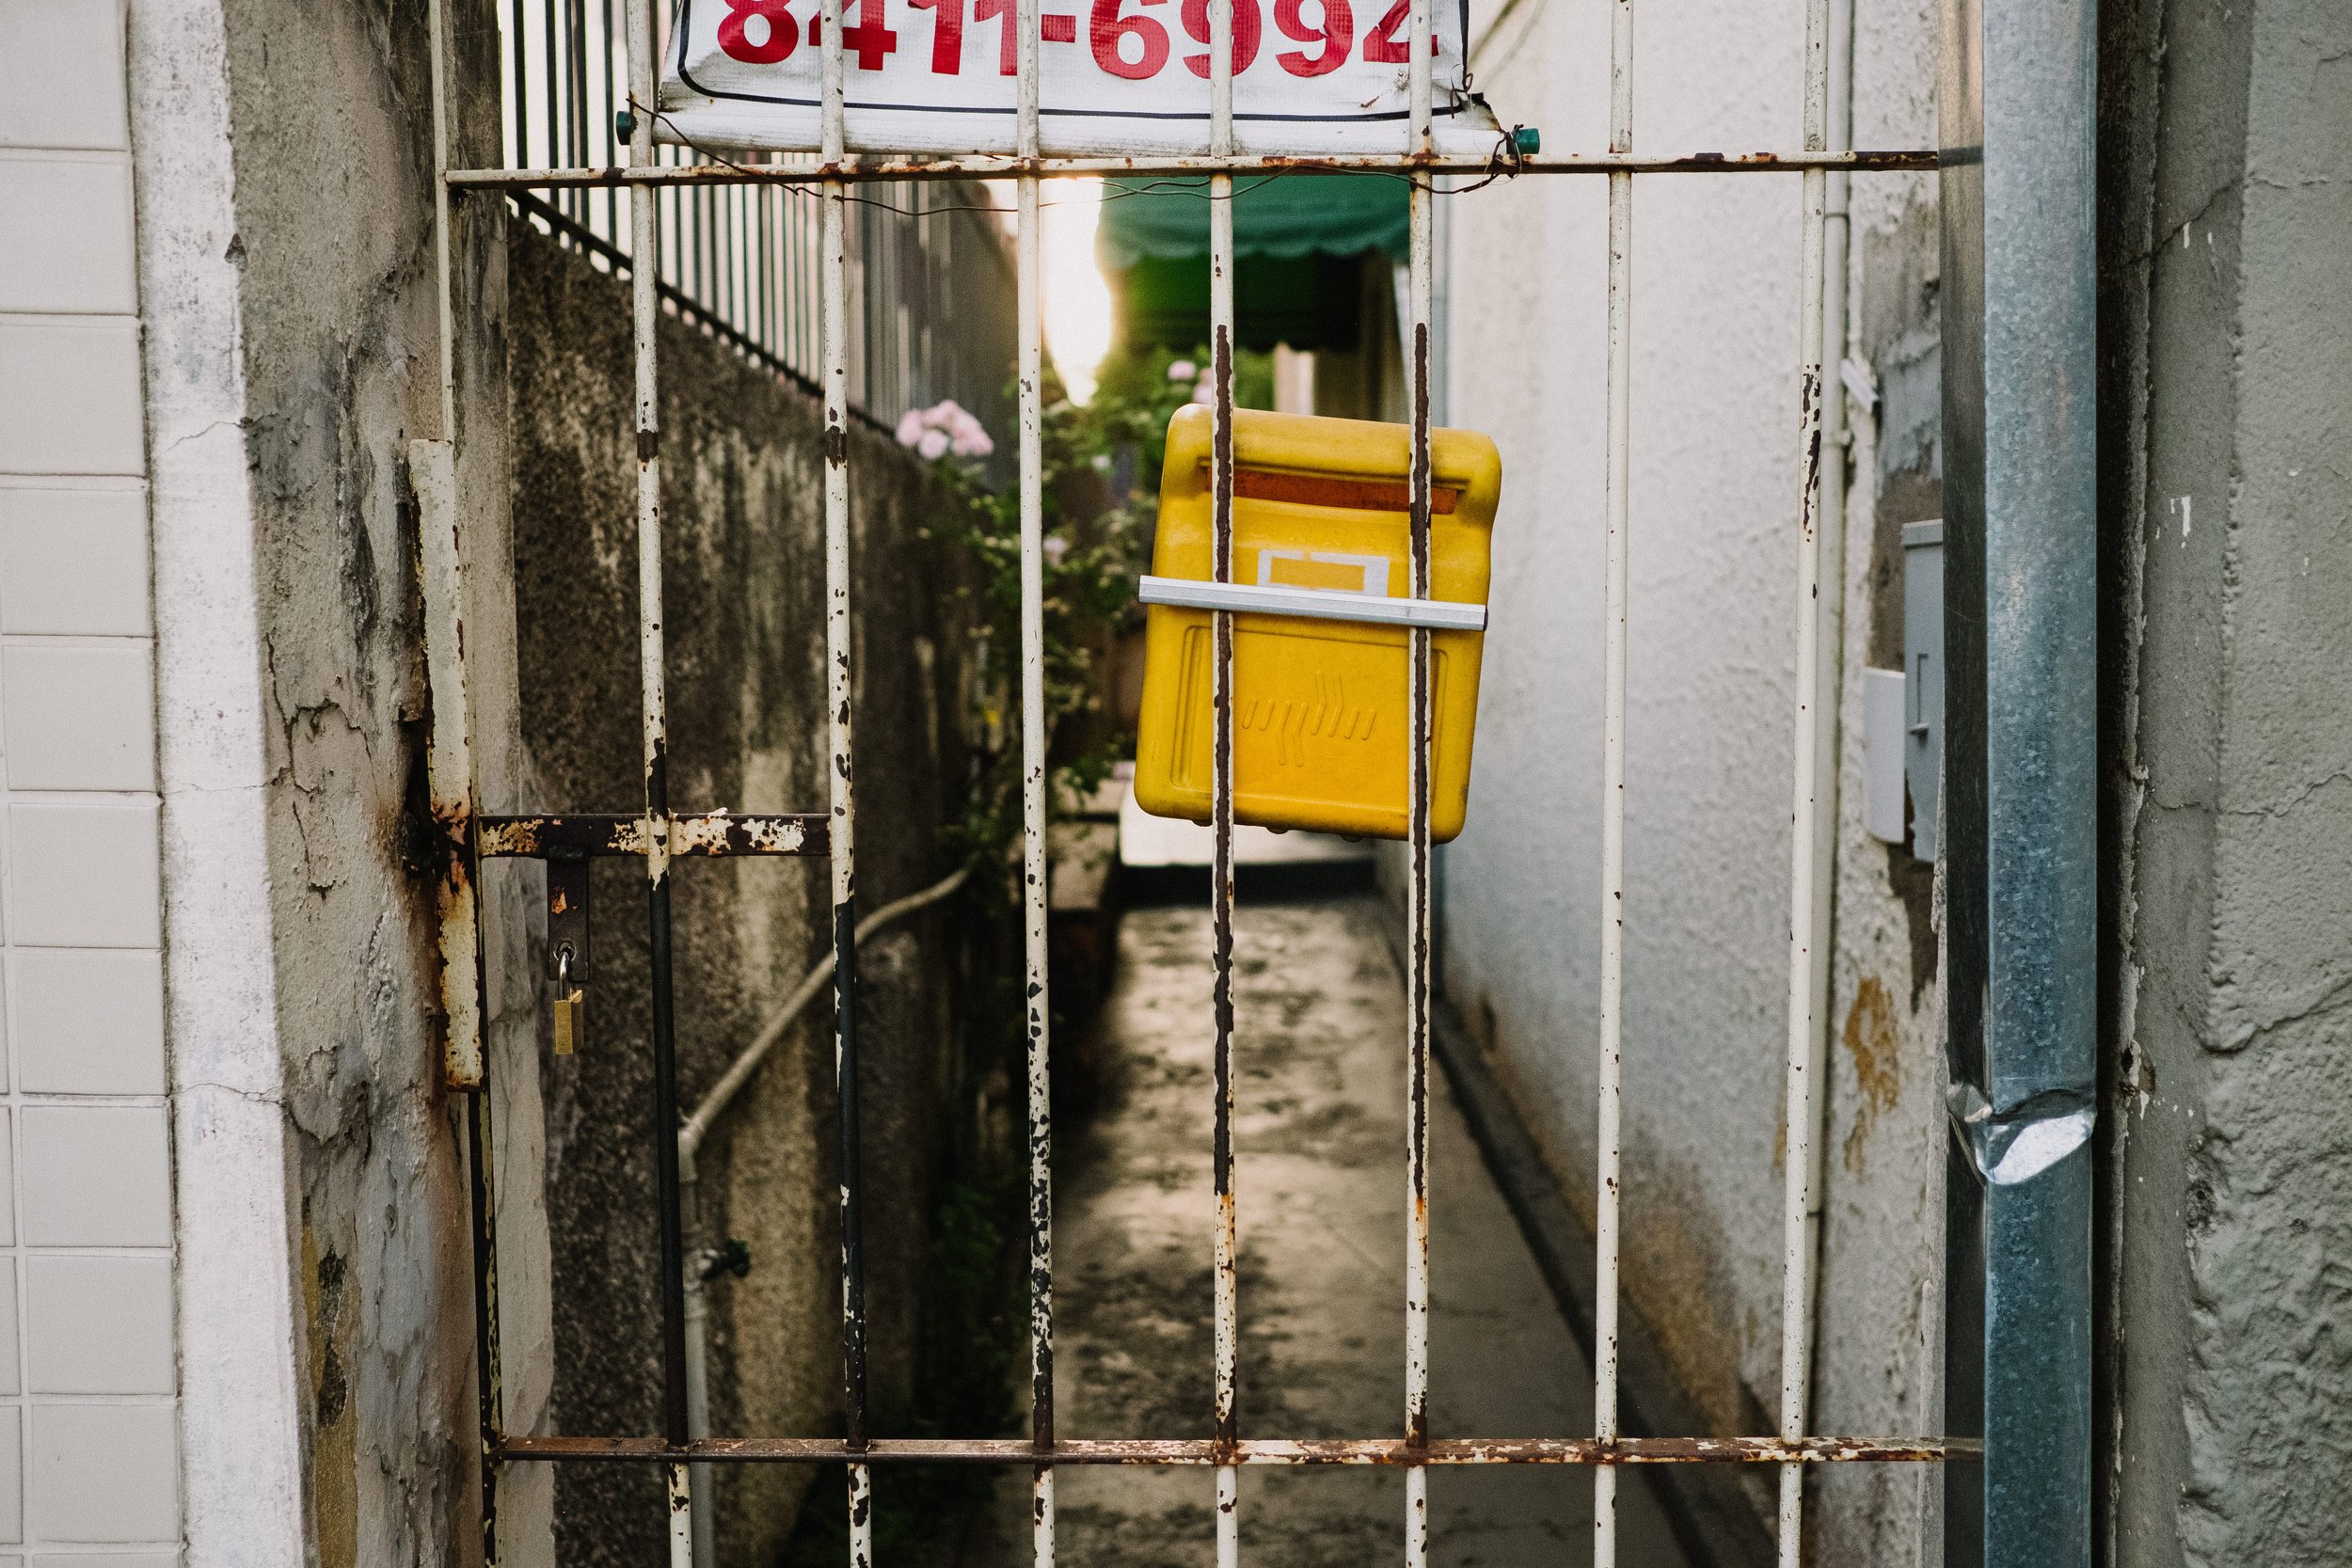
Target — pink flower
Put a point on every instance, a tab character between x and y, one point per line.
968	437
1182	370
934	444
909	427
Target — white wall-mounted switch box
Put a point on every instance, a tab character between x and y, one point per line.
1923	668
1883	745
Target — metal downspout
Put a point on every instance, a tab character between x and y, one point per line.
2016	100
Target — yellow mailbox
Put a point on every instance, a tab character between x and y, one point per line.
1323	588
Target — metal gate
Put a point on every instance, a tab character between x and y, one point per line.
651	831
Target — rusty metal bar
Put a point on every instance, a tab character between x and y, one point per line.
833	315
1035	866
450	779
450	772
1800	1166
1423	285
1610	1069
1226	1242
646	311
1828	674
715	833
452	785
998	167
1208	1452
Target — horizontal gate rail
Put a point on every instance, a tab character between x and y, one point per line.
999	168
1253	1452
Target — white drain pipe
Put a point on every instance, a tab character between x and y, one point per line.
690	1141
1829	652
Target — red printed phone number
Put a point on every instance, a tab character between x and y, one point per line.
1108	31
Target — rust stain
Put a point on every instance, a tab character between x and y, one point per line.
330	1305
1877	1053
718	833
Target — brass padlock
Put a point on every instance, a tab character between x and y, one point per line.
568	950
571	1005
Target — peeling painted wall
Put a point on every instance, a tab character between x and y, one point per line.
2227	516
287	263
743	578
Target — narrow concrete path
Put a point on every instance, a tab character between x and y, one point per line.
1319	1141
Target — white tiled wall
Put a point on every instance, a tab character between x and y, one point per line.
89	1462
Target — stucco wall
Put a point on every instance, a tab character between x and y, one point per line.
743	575
1710	689
2228	513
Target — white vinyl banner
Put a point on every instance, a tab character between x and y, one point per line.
1117	77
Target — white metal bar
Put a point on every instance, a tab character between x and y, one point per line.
1417	912
1830	660
653	703
447	319
834	330
1227	1244
1617	511
1320	604
1035	863
645	311
1798	1169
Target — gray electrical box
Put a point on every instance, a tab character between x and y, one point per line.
1923	678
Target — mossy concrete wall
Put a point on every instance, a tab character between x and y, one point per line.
743	578
2227	520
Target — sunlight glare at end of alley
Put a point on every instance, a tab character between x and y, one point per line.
1077	300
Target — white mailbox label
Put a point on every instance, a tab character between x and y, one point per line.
1116	77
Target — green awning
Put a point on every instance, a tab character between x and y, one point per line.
1300	246
1298	215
